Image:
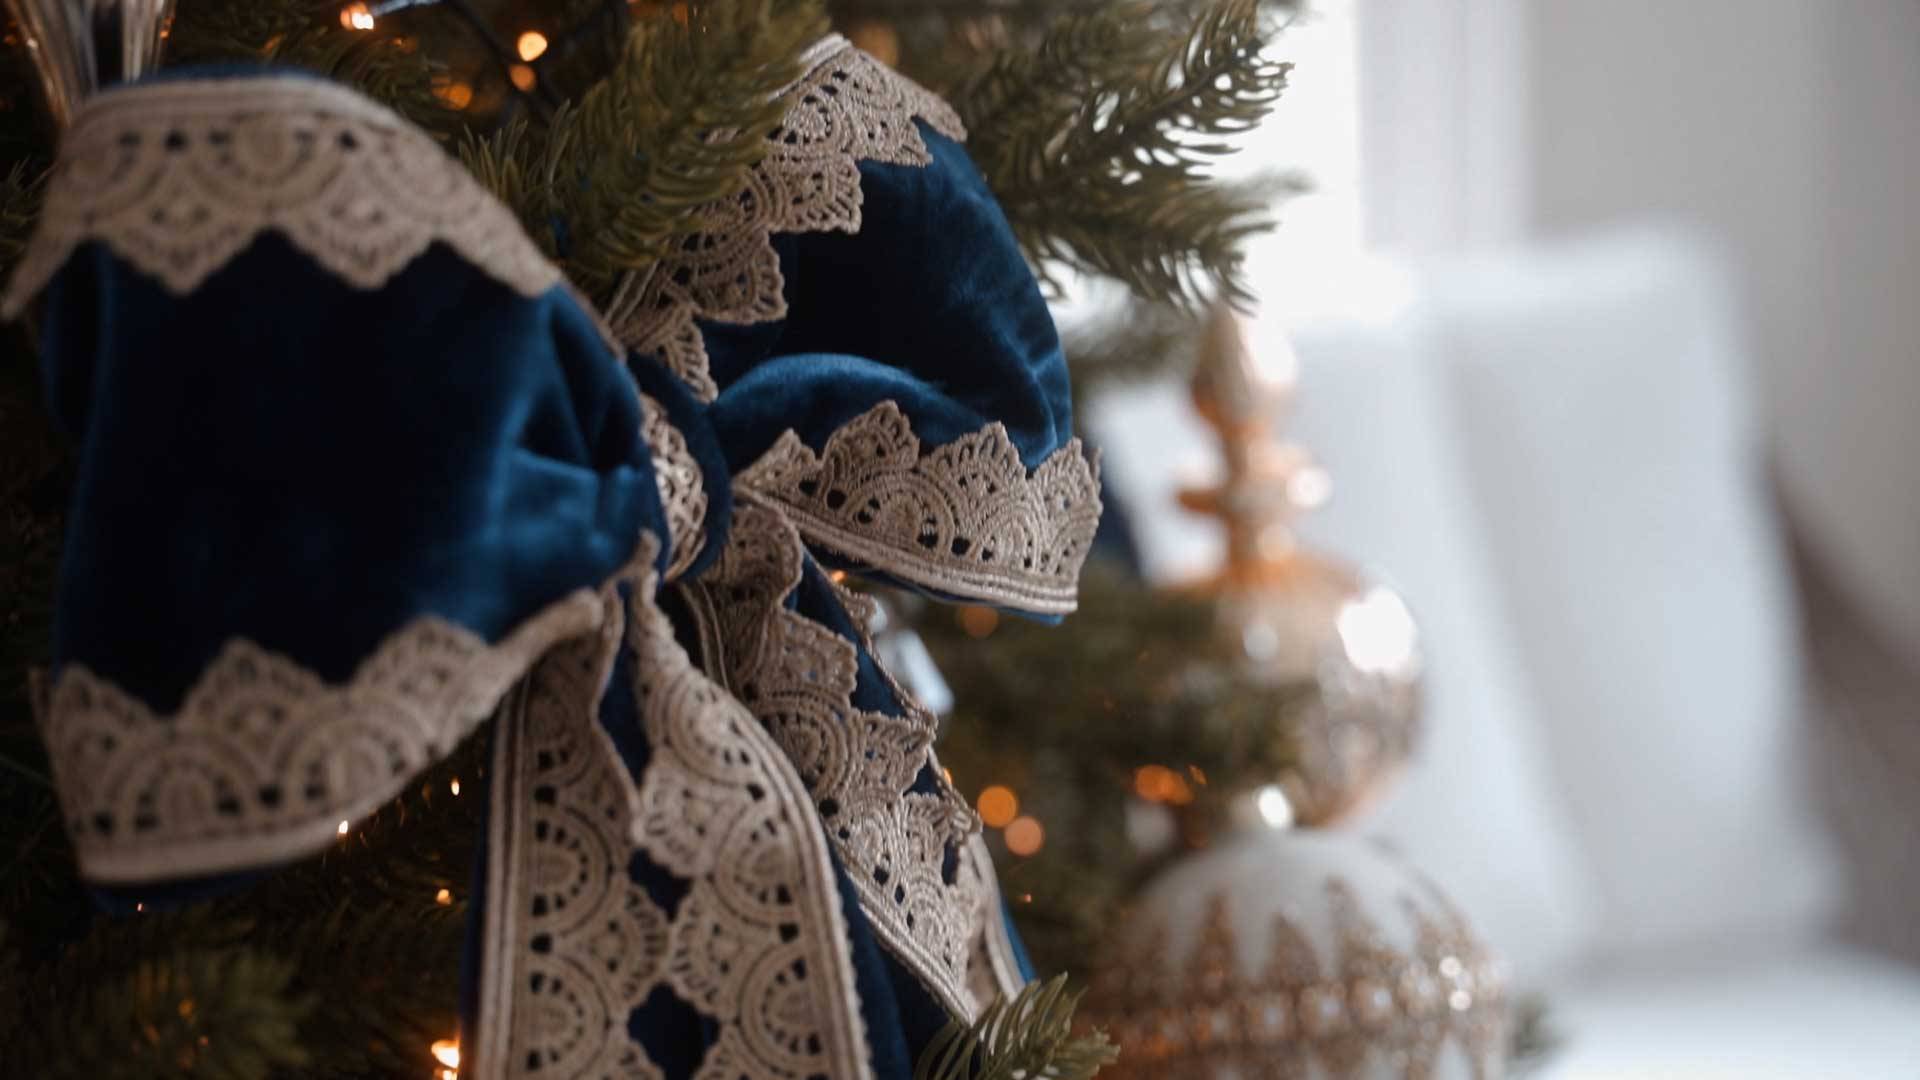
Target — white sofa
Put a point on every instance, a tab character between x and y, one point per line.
1555	456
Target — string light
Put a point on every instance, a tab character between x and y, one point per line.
447	1053
978	622
1159	784
1025	836
998	805
531	45
522	76
444	897
342	829
356	17
454	786
457	93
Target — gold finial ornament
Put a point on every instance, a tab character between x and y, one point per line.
80	46
1340	653
1271	950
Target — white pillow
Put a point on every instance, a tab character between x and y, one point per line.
1612	457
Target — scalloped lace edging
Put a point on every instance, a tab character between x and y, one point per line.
264	760
178	178
965	519
849	108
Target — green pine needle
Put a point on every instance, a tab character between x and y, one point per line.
1099	142
614	183
1023	1038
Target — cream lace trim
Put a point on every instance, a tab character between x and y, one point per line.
683	492
264	760
759	943
178	178
993	969
849	108
798	678
966	519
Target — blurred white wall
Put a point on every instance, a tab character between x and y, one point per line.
1787	133
1791	132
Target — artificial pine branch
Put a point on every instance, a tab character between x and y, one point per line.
1139	341
385	63
1098	142
1025	1037
158	996
615	183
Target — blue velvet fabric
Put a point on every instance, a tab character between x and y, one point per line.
930	305
283	457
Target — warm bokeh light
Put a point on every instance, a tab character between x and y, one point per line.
454	786
998	805
876	38
522	76
447	1053
444	897
1159	784
356	17
1025	836
457	93
978	622
531	45
342	830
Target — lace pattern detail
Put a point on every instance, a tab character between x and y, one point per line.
798	677
1356	1005
849	108
683	492
178	178
758	943
993	969
965	520
264	759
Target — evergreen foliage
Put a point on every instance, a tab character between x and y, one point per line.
1027	1036
1098	142
675	126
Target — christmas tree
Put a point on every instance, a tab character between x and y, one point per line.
611	131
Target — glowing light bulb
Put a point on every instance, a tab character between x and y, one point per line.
342	829
444	897
447	1052
455	786
532	45
998	805
356	17
978	622
458	93
1025	836
522	76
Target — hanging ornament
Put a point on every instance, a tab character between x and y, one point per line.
1337	654
1266	950
1299	955
79	46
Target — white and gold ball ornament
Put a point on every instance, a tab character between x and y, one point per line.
1298	955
